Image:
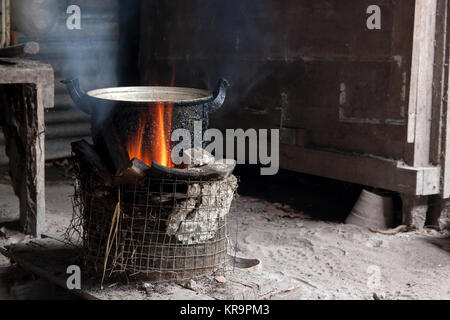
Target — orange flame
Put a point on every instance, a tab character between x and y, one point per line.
151	142
163	131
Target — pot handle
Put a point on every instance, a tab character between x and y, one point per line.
78	95
219	96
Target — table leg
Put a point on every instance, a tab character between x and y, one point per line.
23	126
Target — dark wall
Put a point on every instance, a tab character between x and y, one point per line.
129	21
309	65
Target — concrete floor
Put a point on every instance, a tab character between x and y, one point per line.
331	260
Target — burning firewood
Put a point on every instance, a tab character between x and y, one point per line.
134	172
87	154
109	146
135	169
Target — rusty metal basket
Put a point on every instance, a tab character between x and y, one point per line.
157	230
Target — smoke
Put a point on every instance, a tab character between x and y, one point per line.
200	40
91	53
208	40
230	36
103	52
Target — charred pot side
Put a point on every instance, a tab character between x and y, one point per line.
138	122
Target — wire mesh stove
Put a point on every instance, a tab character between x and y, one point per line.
156	230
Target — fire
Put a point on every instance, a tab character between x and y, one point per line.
151	142
163	155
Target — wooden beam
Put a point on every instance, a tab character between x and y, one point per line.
370	171
421	91
25	90
439	82
445	149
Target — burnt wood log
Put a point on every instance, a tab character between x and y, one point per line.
108	145
85	152
135	172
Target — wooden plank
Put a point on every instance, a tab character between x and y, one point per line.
445	148
23	127
38	265
420	103
50	258
27	71
292	56
295	137
439	85
27	88
276	30
369	171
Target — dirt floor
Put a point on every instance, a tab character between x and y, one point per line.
290	231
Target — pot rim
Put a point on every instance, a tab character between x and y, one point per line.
152	94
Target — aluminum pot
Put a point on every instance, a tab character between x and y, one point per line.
117	114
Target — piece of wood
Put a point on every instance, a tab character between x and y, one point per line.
374	65
134	173
17	51
39	266
7	62
14	38
369	171
439	82
294	136
135	169
392	232
445	130
109	146
28	71
25	90
422	73
6	17
86	152
49	260
23	129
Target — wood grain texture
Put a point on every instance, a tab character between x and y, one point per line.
421	91
26	89
288	62
23	127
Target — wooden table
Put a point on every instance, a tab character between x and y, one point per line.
26	89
